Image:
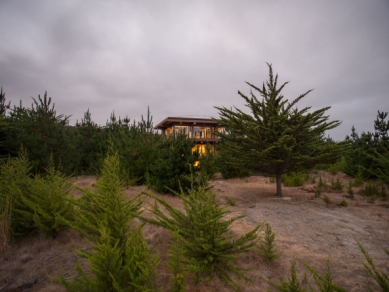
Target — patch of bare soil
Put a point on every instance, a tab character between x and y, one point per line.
307	229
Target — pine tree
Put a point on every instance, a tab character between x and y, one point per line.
174	162
47	201
277	137
120	259
267	244
209	249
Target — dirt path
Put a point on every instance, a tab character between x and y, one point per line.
307	229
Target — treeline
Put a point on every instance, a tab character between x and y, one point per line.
145	157
367	154
47	138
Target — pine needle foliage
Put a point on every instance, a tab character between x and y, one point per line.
324	282
120	259
292	284
209	247
47	201
174	163
379	276
276	137
267	244
176	264
14	182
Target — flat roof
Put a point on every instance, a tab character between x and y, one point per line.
185	121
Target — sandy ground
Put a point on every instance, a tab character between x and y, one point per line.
306	229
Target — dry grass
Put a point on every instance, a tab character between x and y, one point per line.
305	228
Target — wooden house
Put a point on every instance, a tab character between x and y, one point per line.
201	130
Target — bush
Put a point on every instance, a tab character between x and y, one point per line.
336	185
119	259
294	179
207	161
323	282
47	201
267	244
374	189
14	182
174	163
379	276
209	249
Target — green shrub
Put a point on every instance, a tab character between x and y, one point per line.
374	189
336	185
14	182
322	184
318	192
47	200
350	190
294	179
267	244
230	202
343	203
207	161
174	163
323	282
327	200
379	276
119	259
209	248
292	284
176	256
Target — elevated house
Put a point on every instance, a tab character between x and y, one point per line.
200	129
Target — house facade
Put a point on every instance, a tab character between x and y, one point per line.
201	130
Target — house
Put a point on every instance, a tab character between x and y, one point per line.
200	129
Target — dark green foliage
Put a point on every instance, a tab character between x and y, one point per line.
292	284
14	182
137	146
327	200
47	201
374	189
336	184
175	161
42	132
267	244
207	161
120	259
367	155
209	247
88	140
322	184
176	264
324	282
228	165
350	189
343	203
276	137
294	179
379	276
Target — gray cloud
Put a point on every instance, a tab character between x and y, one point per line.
184	58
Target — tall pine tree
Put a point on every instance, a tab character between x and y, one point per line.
277	137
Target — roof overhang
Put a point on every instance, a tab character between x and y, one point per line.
170	121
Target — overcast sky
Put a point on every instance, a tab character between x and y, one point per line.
182	58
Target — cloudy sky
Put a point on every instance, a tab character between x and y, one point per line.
182	58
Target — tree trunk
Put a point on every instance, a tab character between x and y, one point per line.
279	185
